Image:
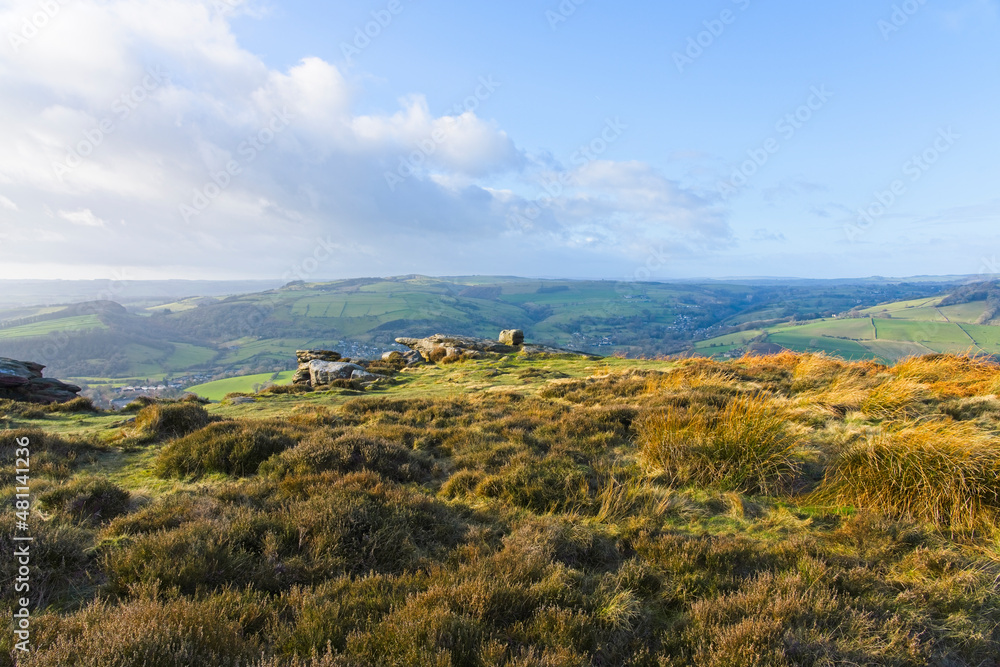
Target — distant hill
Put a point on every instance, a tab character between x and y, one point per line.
198	337
962	320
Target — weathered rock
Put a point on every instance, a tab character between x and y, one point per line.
366	376
440	345
412	358
305	356
512	337
303	375
23	381
325	372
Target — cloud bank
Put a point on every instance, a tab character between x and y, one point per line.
140	136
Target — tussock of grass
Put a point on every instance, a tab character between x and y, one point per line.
51	455
169	420
604	520
233	448
91	500
330	451
943	472
895	399
745	447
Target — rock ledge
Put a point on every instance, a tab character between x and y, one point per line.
23	381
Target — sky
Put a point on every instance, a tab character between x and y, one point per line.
306	140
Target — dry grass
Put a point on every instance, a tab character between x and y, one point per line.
943	472
951	375
745	447
895	399
605	520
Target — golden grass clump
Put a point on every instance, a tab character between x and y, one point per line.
746	447
949	374
698	373
785	360
816	370
897	398
943	472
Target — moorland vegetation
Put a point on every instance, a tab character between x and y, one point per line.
792	509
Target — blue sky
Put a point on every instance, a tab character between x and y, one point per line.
726	138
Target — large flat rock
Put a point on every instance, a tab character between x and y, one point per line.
449	345
23	381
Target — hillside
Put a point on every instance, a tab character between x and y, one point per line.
792	510
197	338
963	320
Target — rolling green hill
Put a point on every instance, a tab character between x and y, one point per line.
888	332
216	336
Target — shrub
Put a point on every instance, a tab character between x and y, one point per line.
197	556
165	513
745	448
61	555
92	500
139	403
170	420
361	523
215	631
946	473
286	389
50	454
21	409
555	483
234	448
322	450
78	404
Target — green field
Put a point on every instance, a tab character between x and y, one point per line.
255	333
893	331
216	391
77	323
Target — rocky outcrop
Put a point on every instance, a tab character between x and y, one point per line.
304	375
434	347
512	337
327	372
440	346
410	357
322	367
23	381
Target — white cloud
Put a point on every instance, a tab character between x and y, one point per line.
84	217
7	204
133	109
